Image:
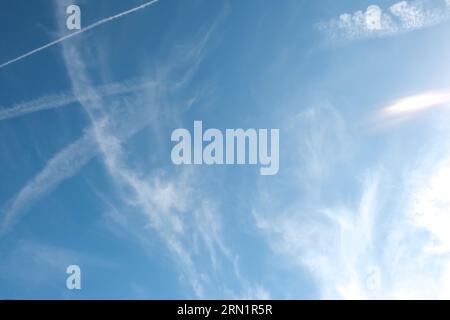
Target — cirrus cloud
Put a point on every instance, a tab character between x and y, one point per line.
401	17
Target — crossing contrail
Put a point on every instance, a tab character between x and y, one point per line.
89	27
54	101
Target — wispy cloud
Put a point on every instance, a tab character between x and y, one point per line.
334	244
89	27
402	17
318	133
370	251
53	101
64	165
187	223
387	241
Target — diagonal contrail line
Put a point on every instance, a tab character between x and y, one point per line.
89	27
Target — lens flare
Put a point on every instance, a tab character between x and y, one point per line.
417	103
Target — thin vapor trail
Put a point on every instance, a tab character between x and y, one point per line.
89	27
54	101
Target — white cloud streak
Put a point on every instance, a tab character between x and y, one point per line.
66	164
187	223
389	242
76	33
62	166
334	244
53	101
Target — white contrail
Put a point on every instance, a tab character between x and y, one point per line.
53	101
89	27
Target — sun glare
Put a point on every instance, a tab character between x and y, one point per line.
418	103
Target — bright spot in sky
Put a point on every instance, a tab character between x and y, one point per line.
418	103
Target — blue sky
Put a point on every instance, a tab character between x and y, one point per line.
360	91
